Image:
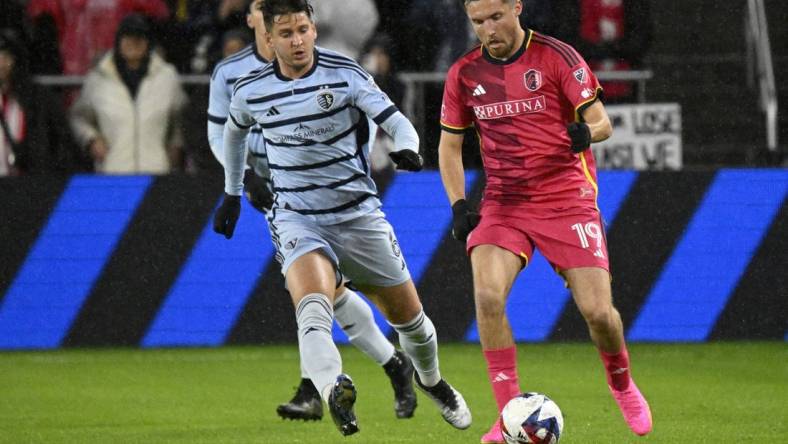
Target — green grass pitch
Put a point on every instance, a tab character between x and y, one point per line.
706	393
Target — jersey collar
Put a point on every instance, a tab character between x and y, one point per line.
514	56
284	78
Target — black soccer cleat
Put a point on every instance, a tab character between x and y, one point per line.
305	405
450	402
400	371
340	404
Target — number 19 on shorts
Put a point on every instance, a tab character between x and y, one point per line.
590	230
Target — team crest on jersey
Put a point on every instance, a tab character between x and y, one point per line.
581	76
394	245
532	79
325	100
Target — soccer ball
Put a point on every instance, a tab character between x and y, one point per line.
531	418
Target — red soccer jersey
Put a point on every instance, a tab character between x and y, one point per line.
520	108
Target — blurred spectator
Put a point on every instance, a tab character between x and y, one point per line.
377	61
43	56
190	19
86	28
194	38
231	13
33	135
539	16
127	116
201	33
13	20
345	25
438	34
197	153
392	16
612	35
233	41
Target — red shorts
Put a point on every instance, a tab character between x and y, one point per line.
567	238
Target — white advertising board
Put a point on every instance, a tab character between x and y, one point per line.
645	137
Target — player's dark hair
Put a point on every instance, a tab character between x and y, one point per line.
465	2
272	8
250	6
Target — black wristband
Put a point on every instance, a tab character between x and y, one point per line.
459	207
580	135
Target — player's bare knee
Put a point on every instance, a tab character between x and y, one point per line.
490	303
400	312
400	315
600	318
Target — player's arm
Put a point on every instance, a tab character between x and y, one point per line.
257	178
464	220
218	108
256	175
455	118
234	142
376	104
582	89
451	167
406	142
215	140
594	127
595	116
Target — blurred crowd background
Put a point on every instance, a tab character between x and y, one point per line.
120	86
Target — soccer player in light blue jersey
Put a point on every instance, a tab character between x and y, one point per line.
255	56
312	105
352	313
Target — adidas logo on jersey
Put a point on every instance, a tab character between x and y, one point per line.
479	90
272	112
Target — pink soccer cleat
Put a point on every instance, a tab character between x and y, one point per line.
634	408
494	435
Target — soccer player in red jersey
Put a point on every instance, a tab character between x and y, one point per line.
536	107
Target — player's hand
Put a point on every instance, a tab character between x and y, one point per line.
407	160
257	191
580	135
464	220
227	215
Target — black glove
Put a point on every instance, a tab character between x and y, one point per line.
257	191
464	220
407	160
227	215
580	135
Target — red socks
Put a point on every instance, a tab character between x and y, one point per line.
617	368
502	371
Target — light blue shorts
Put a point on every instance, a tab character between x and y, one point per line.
364	250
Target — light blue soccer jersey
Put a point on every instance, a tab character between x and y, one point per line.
224	76
317	132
